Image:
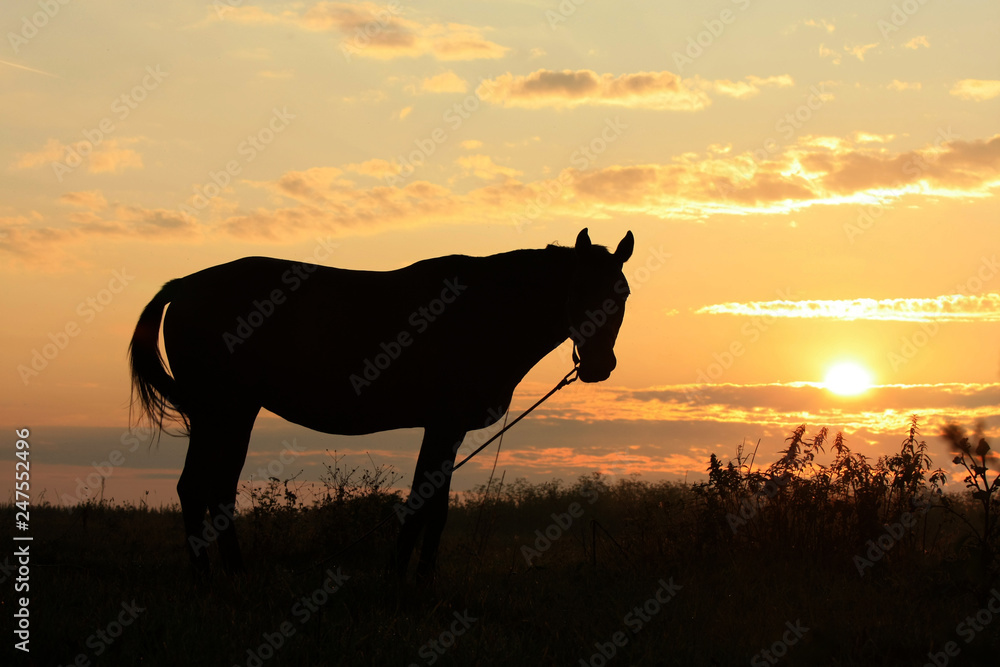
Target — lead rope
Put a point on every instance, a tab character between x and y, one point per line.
568	379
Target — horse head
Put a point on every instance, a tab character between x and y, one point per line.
596	305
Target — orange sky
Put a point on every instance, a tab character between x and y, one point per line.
807	184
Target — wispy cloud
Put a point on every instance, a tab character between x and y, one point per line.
482	166
92	199
898	85
950	308
977	90
883	408
835	56
446	82
859	50
110	156
822	23
385	33
50	246
375	168
647	90
813	171
27	69
570	88
748	88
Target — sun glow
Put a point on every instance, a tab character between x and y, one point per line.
847	379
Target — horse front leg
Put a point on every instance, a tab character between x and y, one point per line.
427	506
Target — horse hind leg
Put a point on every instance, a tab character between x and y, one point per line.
192	491
215	458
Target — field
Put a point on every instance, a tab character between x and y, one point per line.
847	562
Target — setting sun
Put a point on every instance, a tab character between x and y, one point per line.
847	379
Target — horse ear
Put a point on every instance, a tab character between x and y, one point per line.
583	240
624	249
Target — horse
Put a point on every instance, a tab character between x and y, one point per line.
440	344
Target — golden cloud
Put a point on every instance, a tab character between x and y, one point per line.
814	171
827	171
482	166
375	168
948	308
748	88
859	51
822	23
898	85
446	82
571	88
47	247
107	157
782	405
92	199
374	31
977	90
647	90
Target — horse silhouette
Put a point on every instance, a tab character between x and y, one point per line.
440	344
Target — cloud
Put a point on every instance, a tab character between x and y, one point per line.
834	56
825	171
446	82
482	166
856	50
948	308
319	184
822	23
373	31
748	88
958	166
977	90
871	137
647	90
812	171
471	144
92	199
49	246
326	200
898	85
917	42
859	51
571	88
107	157
375	168
53	151
404	112
782	406
815	171
276	74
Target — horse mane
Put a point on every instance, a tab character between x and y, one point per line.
595	251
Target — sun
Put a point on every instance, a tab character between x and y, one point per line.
847	378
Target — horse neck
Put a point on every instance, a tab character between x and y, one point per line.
542	306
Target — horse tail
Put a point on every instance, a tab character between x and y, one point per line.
157	392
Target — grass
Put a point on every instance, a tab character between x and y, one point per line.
751	550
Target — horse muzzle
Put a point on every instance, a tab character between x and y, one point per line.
596	372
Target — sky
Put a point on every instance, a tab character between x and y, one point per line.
812	188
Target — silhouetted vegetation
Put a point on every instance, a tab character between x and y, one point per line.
882	560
